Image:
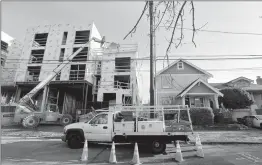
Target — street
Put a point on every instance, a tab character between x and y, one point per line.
54	151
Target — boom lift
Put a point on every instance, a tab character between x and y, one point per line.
26	112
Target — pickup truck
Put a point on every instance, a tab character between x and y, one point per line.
127	127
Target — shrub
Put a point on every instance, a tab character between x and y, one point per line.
235	98
202	116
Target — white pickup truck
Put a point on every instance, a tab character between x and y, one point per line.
133	124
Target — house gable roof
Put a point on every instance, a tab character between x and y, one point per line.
185	61
191	85
240	78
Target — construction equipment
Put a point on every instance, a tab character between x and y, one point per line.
27	113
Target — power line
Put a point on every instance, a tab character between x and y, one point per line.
159	59
146	70
224	32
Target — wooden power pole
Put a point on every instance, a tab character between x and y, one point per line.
152	100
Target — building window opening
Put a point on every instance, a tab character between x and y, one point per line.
62	54
33	73
82	37
81	56
37	56
180	65
40	39
77	72
64	38
122	81
123	64
4	46
127	100
197	102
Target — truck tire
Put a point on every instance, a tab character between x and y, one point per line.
30	121
158	147
75	141
66	119
249	122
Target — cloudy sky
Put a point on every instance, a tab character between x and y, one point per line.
115	19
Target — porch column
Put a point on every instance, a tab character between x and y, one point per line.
43	104
183	100
216	102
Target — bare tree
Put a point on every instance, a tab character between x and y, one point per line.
170	14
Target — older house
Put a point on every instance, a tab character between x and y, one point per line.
183	83
255	90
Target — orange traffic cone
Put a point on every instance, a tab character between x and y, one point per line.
136	159
199	149
178	154
84	157
112	158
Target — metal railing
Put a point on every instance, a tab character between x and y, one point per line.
115	84
32	78
121	48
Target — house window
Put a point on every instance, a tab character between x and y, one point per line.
4	46
40	39
81	56
166	82
166	100
77	72
64	38
82	37
62	54
33	73
122	64
180	65
197	102
37	56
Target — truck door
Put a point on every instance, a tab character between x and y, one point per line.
99	128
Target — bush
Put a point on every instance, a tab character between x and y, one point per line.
235	98
202	116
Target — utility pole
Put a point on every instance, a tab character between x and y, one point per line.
155	91
151	54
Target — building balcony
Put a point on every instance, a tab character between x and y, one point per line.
30	78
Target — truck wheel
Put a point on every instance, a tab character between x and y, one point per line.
249	122
158	147
30	121
74	141
66	119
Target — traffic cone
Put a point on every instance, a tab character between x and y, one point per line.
112	158
199	149
136	159
84	157
178	154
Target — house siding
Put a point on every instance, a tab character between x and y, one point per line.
187	70
179	81
200	89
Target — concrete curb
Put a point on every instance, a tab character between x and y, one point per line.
203	142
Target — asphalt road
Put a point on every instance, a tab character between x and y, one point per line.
38	151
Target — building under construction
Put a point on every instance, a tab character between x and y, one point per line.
45	47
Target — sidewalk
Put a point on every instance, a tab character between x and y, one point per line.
253	136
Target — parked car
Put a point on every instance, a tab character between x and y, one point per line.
252	121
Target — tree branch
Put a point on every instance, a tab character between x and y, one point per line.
181	29
193	22
173	32
134	28
167	5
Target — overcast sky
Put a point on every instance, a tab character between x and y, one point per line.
115	19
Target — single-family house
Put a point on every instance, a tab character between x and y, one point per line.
183	83
255	90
